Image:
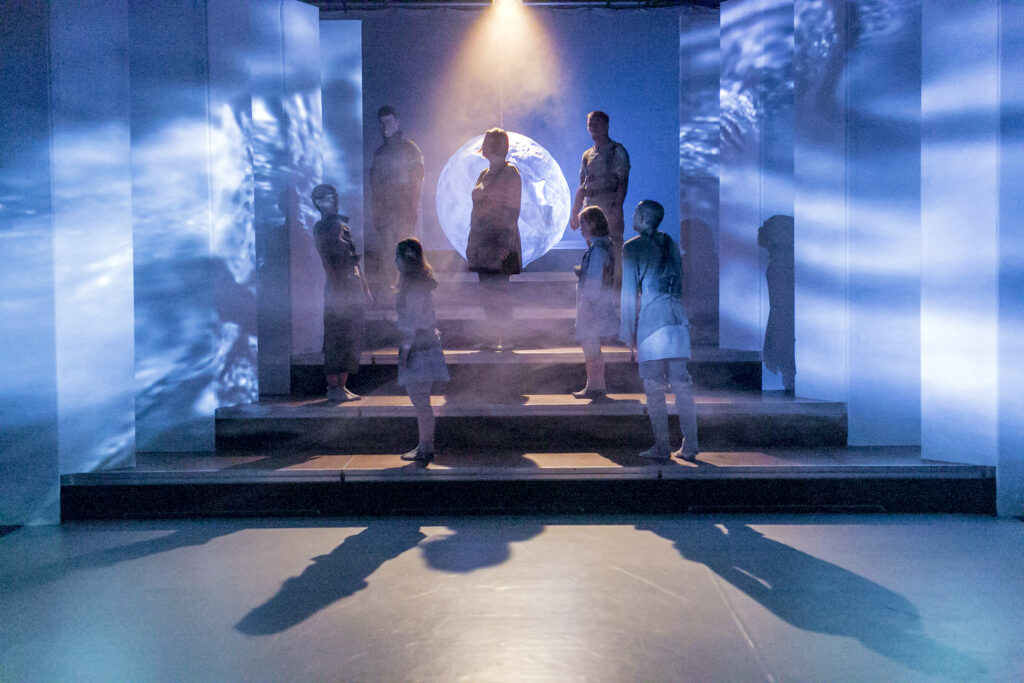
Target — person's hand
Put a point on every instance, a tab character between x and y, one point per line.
504	254
574	221
403	354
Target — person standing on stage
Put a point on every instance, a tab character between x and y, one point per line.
596	300
346	295
654	323
396	182
604	178
494	250
420	358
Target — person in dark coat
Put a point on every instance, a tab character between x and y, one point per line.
346	295
654	322
494	250
595	300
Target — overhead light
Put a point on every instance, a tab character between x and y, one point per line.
507	7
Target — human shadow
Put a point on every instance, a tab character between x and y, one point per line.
778	353
477	543
331	577
815	595
188	535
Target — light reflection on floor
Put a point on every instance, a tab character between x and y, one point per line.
700	597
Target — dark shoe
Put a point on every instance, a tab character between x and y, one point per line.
335	394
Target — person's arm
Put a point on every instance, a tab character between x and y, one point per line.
622	171
577	206
627	302
416	176
592	279
577	202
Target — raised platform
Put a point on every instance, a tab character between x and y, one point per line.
512	480
382	423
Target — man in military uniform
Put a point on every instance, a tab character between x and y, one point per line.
604	176
346	294
396	181
654	323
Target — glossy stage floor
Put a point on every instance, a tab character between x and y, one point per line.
714	597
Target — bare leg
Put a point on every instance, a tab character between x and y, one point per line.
656	410
682	387
595	370
419	394
595	366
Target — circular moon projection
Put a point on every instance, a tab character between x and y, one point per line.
544	212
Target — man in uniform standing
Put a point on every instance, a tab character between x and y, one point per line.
654	323
604	177
346	294
396	181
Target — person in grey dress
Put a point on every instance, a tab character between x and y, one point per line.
420	358
596	300
654	323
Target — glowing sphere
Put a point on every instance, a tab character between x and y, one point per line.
543	214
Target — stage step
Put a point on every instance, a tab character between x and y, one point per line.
531	370
314	482
386	423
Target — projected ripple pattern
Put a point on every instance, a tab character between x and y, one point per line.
544	212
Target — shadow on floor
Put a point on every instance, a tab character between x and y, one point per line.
184	536
331	577
477	543
815	595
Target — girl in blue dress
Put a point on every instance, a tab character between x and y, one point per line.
420	358
596	297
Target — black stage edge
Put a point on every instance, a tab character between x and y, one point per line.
957	495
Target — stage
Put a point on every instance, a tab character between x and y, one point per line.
503	479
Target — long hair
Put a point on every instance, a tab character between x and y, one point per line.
410	251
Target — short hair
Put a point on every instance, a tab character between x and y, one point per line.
653	209
495	136
324	189
598	221
386	110
598	115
